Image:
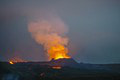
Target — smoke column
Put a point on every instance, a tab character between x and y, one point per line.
50	33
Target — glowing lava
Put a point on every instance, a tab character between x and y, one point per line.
51	34
57	52
11	62
16	60
56	67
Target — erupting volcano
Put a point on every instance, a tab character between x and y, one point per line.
58	51
51	34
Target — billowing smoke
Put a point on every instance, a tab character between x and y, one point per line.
51	34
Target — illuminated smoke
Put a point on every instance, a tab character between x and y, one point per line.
51	34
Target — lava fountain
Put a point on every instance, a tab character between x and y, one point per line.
51	34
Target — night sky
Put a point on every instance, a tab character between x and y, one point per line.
94	29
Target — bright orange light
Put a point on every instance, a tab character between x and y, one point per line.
56	67
58	51
11	62
15	60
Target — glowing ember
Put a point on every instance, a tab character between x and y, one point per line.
11	62
56	67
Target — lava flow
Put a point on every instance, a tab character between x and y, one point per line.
56	67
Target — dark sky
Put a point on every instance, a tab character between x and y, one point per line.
94	28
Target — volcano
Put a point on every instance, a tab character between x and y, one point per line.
63	62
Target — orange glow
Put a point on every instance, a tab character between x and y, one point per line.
58	51
15	60
56	67
11	62
50	33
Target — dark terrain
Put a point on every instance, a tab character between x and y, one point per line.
70	70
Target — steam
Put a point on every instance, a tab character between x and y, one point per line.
51	34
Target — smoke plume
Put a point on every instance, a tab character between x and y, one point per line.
50	33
